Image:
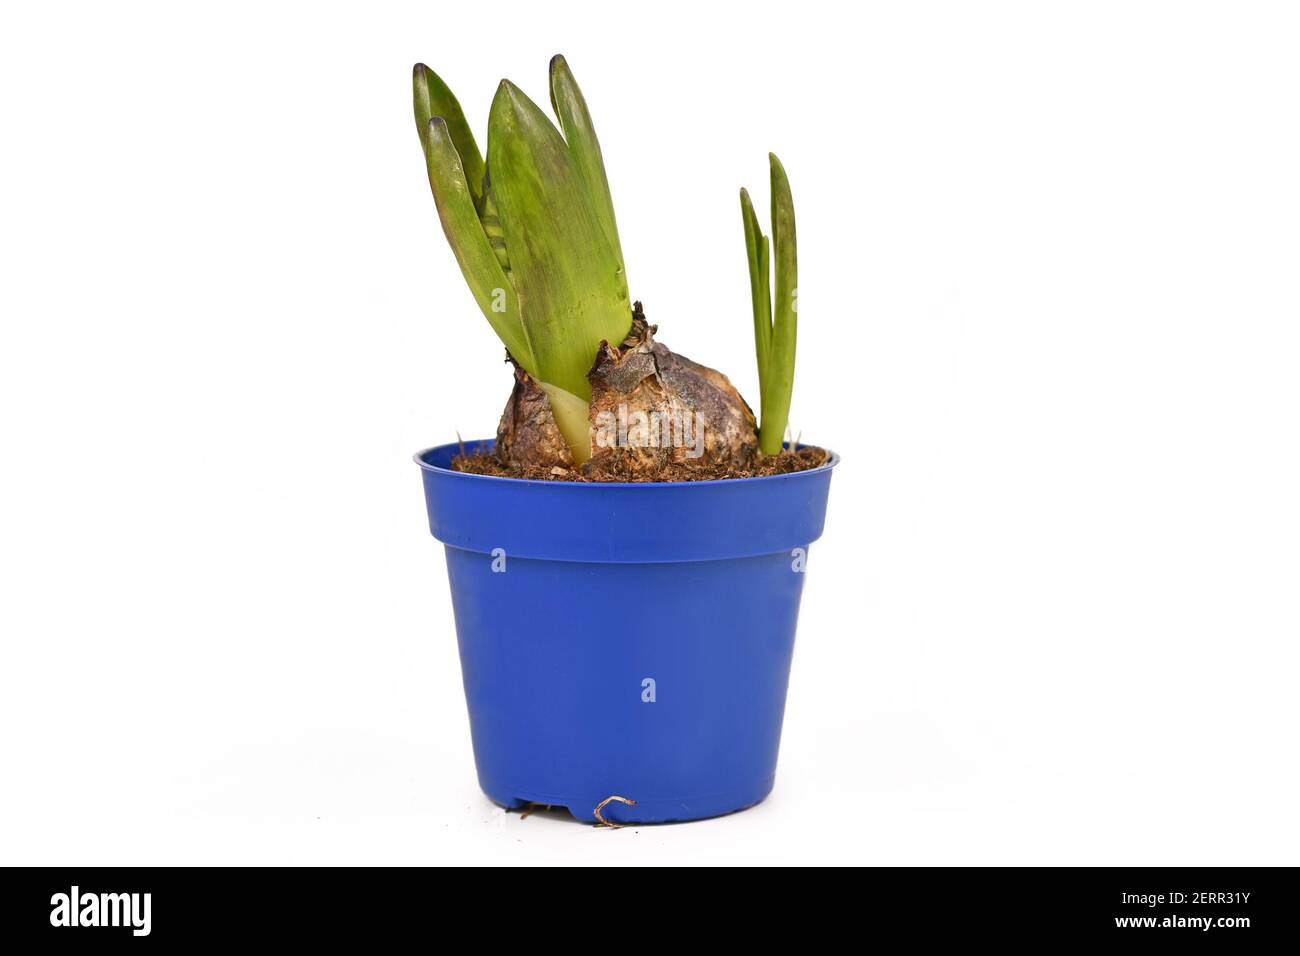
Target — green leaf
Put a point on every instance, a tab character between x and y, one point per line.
434	98
478	263
775	317
573	417
780	372
580	135
759	290
568	275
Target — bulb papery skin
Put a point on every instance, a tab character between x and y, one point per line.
528	434
650	408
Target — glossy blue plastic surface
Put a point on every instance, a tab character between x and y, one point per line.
625	639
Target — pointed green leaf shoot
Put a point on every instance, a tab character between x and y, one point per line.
580	135
566	272
775	316
533	230
492	290
760	293
434	98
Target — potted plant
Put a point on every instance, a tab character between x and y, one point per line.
626	557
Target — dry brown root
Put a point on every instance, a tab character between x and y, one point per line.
653	413
610	824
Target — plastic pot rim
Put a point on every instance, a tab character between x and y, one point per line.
419	457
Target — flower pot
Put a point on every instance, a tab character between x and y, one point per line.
628	640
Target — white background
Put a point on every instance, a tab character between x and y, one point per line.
1049	308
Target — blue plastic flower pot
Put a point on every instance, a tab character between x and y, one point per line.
628	640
